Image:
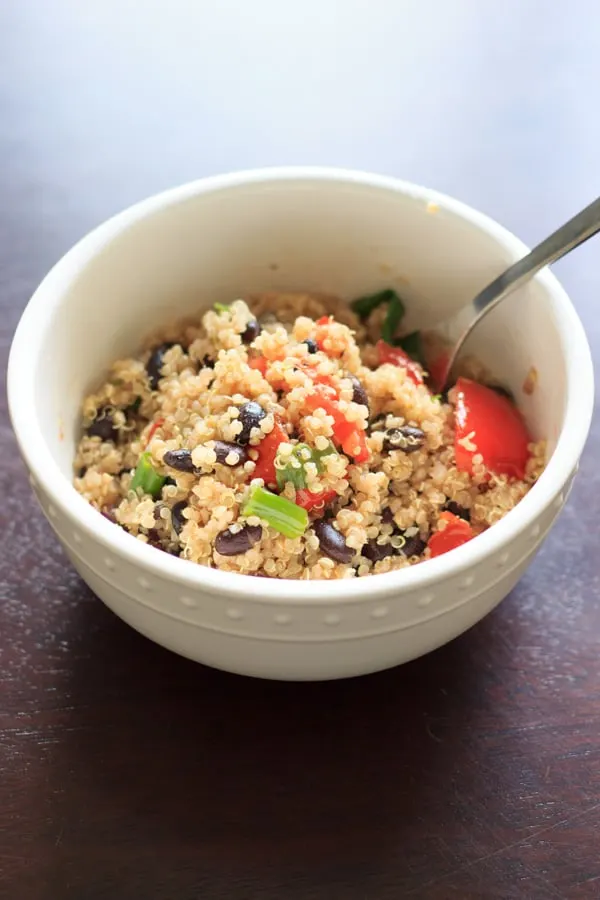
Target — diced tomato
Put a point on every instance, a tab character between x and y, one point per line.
438	368
347	435
356	446
455	533
494	426
155	426
258	362
314	503
398	357
267	451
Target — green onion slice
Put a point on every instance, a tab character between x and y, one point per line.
364	306
146	477
281	514
293	471
395	312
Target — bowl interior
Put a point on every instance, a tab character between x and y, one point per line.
173	257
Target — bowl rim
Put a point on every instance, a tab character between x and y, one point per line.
192	576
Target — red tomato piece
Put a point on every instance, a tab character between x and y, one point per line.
398	357
314	503
356	446
267	451
437	369
346	435
258	362
494	426
456	533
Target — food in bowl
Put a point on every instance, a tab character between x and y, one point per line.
288	435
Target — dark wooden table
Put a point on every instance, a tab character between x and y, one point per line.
127	773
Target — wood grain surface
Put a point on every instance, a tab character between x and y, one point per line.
127	773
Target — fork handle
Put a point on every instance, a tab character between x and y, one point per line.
456	329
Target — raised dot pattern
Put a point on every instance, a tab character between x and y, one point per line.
235	614
380	612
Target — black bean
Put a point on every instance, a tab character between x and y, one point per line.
154	538
332	543
405	438
251	332
229	543
376	552
207	362
251	415
414	546
178	520
387	516
180	460
224	448
378	422
312	345
359	395
458	510
103	426
155	364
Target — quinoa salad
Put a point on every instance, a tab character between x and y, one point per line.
293	436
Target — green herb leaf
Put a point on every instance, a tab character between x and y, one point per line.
394	315
146	477
413	345
284	516
364	306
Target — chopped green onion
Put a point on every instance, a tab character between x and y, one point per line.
393	317
281	514
293	469
413	345
364	306
146	477
319	454
222	307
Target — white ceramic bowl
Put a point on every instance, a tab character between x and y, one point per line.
315	229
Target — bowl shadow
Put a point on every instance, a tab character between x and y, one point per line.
237	773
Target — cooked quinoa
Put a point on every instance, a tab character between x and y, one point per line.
274	438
